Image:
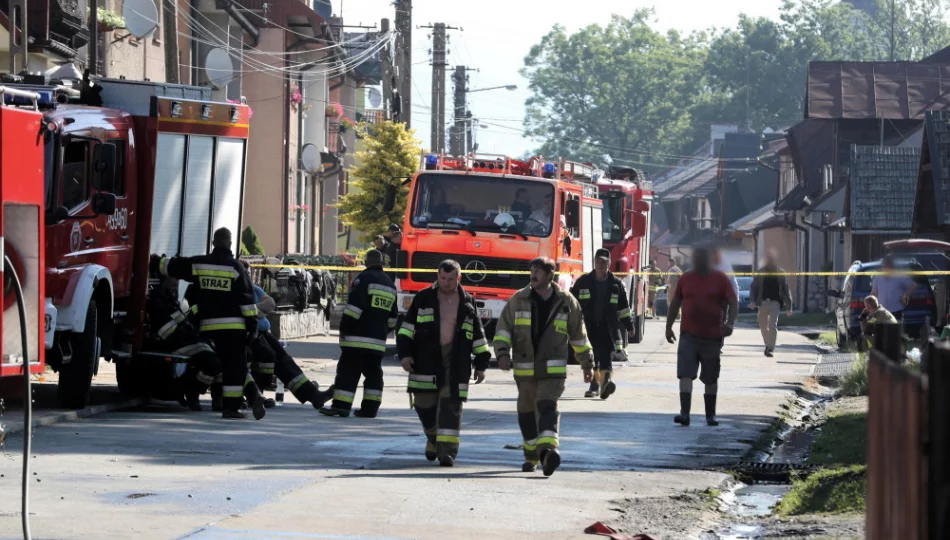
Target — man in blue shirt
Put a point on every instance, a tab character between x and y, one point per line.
269	358
892	290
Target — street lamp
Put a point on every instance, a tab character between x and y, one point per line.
505	86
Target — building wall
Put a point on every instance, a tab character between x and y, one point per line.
265	205
137	59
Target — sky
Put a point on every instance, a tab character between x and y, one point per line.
496	35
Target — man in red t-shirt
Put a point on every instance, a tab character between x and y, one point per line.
703	293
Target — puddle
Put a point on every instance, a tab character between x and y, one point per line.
746	503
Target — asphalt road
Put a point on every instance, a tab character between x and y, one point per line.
159	472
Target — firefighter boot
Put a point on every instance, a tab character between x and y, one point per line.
550	461
431	451
330	411
710	400
233	415
446	461
685	401
593	390
608	387
320	397
529	466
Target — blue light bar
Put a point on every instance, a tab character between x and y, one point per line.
432	159
46	98
549	168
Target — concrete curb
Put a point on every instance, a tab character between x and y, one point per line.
66	416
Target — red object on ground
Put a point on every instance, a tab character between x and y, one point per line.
603	530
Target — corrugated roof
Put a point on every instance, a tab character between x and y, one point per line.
883	185
894	90
693	181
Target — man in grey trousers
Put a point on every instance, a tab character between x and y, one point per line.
769	293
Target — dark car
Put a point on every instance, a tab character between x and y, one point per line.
849	301
661	304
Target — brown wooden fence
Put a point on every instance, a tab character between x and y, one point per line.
908	476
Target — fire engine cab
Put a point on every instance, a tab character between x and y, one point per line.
494	215
128	169
628	201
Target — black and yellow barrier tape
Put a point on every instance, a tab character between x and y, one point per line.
581	272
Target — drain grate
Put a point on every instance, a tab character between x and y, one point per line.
754	471
833	365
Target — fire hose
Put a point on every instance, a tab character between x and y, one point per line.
27	399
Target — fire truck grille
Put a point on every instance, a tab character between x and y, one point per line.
470	270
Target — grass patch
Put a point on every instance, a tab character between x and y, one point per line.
842	440
829	491
829	339
855	381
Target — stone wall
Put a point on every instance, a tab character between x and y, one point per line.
294	325
817	300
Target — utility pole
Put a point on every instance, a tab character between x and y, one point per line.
170	29
438	85
387	75
457	147
438	88
402	88
469	132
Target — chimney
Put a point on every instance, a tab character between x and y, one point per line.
717	134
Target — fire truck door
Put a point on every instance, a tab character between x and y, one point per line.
119	229
72	241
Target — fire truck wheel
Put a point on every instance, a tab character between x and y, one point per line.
75	377
131	377
639	325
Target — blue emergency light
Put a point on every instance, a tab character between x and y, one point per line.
46	98
432	159
549	170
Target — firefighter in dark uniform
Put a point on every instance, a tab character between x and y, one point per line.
437	339
603	299
369	316
227	314
174	333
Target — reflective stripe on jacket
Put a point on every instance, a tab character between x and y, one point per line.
419	338
370	313
618	310
565	328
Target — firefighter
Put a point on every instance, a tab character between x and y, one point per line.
169	323
369	316
603	300
227	315
437	338
534	331
270	359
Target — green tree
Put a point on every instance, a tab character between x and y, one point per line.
623	85
638	95
391	154
250	243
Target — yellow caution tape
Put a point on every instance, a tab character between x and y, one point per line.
580	272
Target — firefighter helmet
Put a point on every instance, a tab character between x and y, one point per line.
504	221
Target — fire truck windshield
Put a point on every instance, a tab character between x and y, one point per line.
612	217
483	203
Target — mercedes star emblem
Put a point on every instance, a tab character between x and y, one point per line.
475	271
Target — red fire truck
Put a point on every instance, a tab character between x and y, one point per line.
21	234
495	214
628	200
129	169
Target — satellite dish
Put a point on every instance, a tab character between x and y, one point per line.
141	17
310	158
218	68
375	97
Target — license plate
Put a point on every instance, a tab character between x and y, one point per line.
484	314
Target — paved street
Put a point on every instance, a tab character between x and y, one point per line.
158	472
